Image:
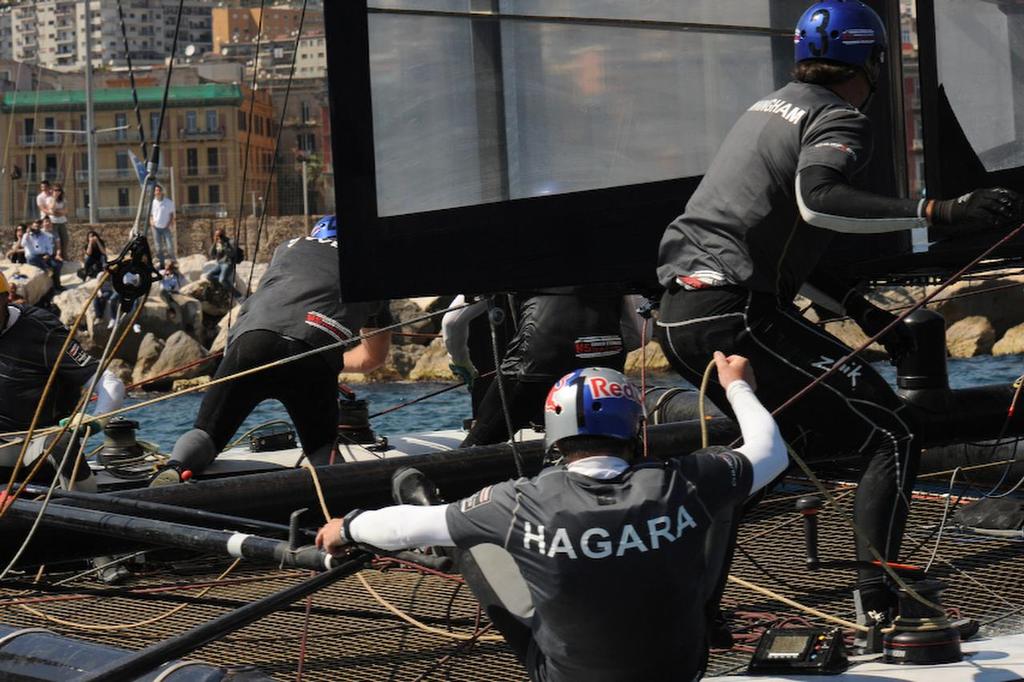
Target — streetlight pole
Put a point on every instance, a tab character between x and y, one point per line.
305	194
90	123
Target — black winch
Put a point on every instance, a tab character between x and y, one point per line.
120	446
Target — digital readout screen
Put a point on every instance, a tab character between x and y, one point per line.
788	644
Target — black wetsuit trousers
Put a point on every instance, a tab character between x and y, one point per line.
853	413
308	388
525	405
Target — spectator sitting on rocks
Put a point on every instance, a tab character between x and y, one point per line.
15	295
171	284
104	299
40	248
56	254
95	256
16	254
223	251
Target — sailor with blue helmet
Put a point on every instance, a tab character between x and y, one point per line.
593	569
751	237
297	308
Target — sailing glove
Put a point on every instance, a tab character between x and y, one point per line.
466	373
984	209
898	341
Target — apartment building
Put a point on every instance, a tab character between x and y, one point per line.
203	149
242	24
52	33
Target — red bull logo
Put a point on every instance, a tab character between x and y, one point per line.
550	405
602	388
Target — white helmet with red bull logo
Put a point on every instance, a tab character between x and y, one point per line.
595	401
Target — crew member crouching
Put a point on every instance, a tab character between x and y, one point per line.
594	569
297	308
30	345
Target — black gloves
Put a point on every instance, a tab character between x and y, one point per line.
982	209
898	341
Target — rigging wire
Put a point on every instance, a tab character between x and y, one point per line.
277	146
131	80
248	136
499	378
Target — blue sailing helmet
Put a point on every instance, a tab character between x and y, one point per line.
325	228
595	401
842	31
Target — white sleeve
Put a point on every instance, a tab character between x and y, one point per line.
109	392
762	442
402	526
455	328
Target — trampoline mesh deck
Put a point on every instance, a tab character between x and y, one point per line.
351	637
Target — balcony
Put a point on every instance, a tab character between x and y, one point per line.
107	213
116	175
50	174
40	140
215	210
208	172
200	134
117	137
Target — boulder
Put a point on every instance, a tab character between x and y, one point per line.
971	336
656	360
69	273
220	341
409	309
399	363
182	384
179	350
32	282
149	352
1002	307
122	370
853	336
72	300
1012	342
432	364
192	267
216	301
242	271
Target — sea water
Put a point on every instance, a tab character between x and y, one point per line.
164	422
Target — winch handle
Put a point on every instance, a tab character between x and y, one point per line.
809	506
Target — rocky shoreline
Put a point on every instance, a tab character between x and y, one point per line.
983	317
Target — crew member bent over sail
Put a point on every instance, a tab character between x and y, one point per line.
297	308
752	234
556	330
30	346
595	569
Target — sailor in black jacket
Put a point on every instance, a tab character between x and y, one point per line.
297	308
751	238
594	570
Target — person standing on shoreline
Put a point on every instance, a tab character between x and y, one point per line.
163	220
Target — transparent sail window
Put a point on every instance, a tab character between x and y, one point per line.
780	14
975	38
478	109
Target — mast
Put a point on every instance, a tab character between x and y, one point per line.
90	123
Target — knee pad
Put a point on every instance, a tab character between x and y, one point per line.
194	450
